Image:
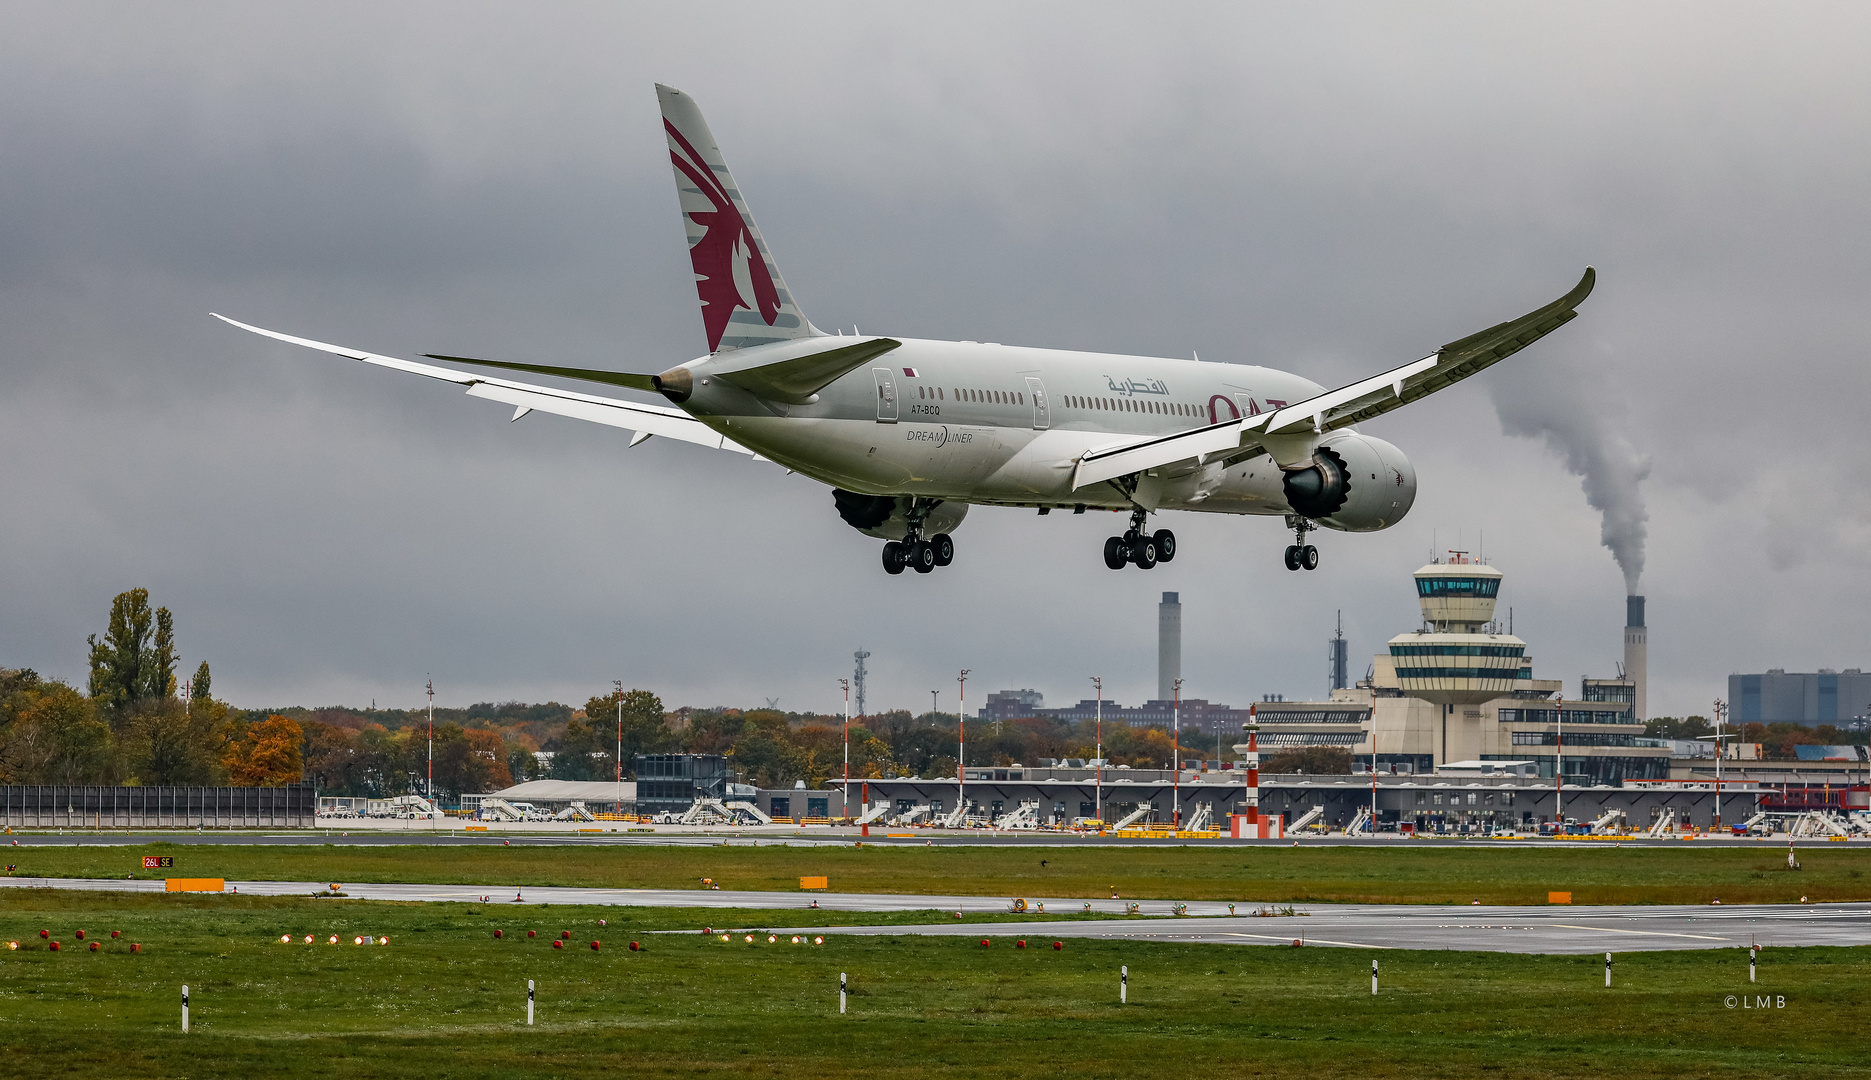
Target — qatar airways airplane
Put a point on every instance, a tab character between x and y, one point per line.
910	433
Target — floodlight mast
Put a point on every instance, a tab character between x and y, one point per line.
1175	744
1559	767
961	758
619	685
1097	683
1721	712
432	743
846	684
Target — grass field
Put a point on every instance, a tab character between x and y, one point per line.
1602	874
446	998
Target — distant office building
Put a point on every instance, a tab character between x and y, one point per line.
672	782
1012	705
1818	697
1168	645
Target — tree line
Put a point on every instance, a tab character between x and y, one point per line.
133	724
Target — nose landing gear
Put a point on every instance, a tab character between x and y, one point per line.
1138	548
1299	554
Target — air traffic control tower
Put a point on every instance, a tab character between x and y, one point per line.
1457	660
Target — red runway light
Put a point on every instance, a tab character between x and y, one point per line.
984	943
116	933
1058	945
557	944
81	935
1021	944
45	933
94	946
634	947
55	946
565	935
594	946
532	933
498	934
136	948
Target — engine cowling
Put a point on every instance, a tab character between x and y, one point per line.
1355	483
887	516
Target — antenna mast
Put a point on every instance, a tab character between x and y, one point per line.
857	680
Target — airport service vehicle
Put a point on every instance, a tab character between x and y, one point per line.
910	433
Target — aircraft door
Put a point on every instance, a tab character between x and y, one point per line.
1042	411
886	395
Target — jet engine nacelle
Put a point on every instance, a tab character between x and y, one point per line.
1355	483
887	516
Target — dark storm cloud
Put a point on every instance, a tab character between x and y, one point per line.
1334	190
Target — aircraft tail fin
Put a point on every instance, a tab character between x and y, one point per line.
744	300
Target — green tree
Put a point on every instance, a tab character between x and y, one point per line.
56	738
581	752
644	732
167	742
198	687
117	676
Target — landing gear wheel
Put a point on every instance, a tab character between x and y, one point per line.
1165	545
1143	553
1309	557
921	557
1292	557
944	546
1115	553
893	558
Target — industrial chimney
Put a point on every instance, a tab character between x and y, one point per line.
1168	645
1636	646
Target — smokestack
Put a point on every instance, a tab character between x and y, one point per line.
1168	645
1636	648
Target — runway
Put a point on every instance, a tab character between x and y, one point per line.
1550	929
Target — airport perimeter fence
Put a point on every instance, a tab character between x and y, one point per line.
95	806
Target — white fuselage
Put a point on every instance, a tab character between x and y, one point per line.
999	424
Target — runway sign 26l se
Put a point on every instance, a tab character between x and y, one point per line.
158	862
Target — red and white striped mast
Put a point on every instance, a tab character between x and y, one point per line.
1253	771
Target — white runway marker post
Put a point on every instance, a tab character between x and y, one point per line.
841	993
1607	971
185	1008
1123	984
529	1003
1374	976
1754	953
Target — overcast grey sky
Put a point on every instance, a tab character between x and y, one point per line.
1334	189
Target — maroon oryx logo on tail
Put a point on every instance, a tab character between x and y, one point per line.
728	263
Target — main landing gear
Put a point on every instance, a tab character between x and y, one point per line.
1136	547
1301	555
915	553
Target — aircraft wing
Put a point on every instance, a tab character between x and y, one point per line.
1347	405
645	420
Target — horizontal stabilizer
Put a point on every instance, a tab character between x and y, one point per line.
794	372
614	378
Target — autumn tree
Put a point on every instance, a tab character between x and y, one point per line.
1327	760
267	754
53	735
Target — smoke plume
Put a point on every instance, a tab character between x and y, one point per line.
1551	401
